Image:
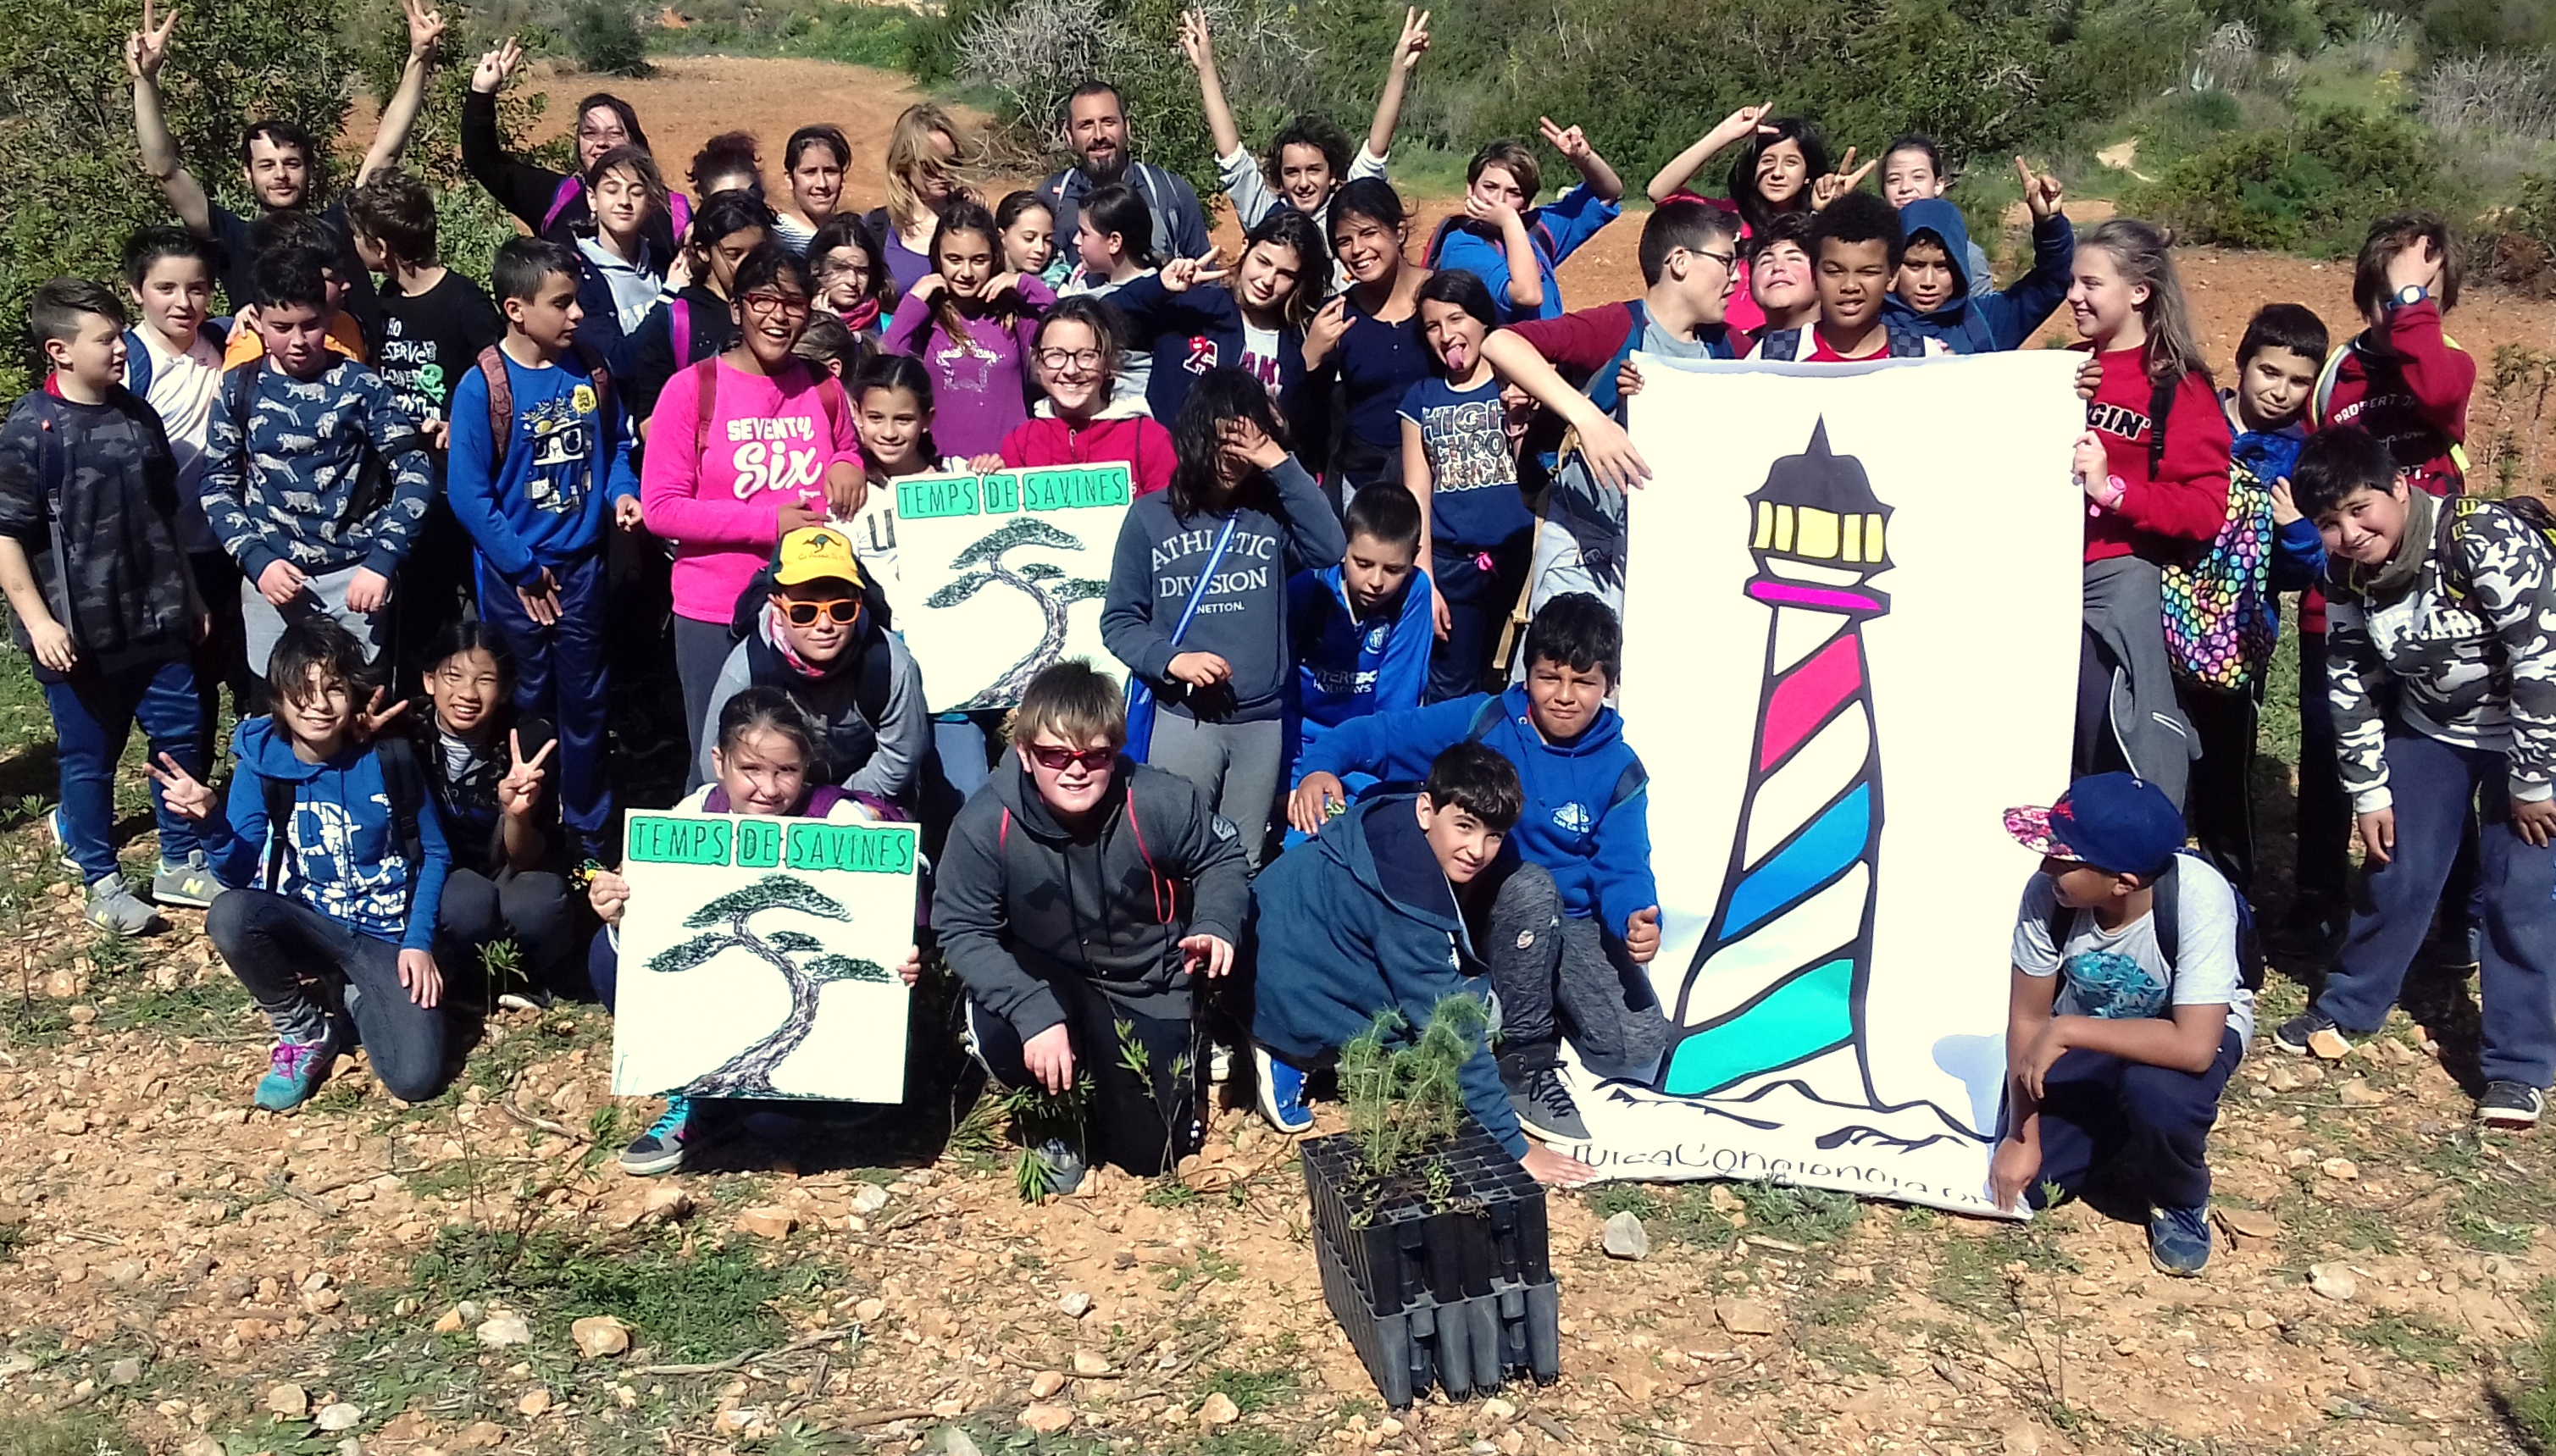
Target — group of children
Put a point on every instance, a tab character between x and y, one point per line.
667	450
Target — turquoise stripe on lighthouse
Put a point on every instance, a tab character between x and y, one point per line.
1812	1013
1834	840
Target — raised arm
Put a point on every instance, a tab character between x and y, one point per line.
144	53
399	114
1739	126
1397	80
1603	443
1574	146
1201	56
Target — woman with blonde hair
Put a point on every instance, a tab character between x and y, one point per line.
926	173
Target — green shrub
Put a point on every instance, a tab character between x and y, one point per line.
2315	185
605	37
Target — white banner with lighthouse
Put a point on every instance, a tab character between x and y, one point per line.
1850	642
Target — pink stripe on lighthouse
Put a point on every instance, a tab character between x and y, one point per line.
1805	698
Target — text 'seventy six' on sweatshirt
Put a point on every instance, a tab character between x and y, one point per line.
1360	919
550	502
1587	808
2187	499
1020	899
293	490
115	479
718	494
344	857
2462	623
1281	526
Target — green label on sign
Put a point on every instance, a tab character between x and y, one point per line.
659	840
758	844
868	849
920	497
1075	488
1003	492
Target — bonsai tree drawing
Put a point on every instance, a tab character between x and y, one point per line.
800	959
1046	584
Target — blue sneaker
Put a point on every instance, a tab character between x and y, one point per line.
61	841
294	1071
1282	1092
2179	1240
660	1149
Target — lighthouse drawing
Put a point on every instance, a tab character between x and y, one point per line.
1777	983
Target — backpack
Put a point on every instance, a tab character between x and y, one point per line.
2320	399
2219	621
2168	911
501	399
401	776
373	482
137	368
2532	513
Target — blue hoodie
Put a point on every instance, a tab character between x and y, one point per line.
2298	552
346	861
568	461
1347	668
1980	319
1363	918
1586	818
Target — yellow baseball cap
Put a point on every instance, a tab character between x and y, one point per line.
817	553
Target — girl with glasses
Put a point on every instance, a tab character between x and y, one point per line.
1075	356
745	447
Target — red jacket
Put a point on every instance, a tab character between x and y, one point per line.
1135	440
2187	501
2407	384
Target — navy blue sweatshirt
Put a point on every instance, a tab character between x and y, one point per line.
1281	526
1190	333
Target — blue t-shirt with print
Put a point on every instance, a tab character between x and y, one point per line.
1473	497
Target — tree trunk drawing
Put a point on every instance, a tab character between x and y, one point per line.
799	958
986	556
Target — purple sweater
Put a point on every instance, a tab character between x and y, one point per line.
979	388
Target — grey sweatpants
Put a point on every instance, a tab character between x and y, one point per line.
262	622
1550	969
700	651
1234	764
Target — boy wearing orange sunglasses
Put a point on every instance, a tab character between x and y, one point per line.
810	626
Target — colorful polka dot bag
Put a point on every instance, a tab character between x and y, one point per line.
2220	617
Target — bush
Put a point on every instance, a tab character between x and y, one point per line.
2315	185
605	37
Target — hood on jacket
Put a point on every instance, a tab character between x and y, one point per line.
1944	221
1600	736
1343	841
263	746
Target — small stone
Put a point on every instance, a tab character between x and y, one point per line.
742	1420
767	1221
2261	1319
2330	1045
950	1440
480	1435
1496	1408
289	1400
2247	1222
1626	1238
1744	1316
936	1324
502	1330
2358	1093
2340	1168
1219	1410
1074	1303
339	1416
124	1372
69	1122
204	1445
868	1310
536	1403
2333	1281
1047	1420
448	1323
868	1198
598	1336
1046	1383
1086	1362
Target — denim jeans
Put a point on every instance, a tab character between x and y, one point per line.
2434	783
559	676
93	714
291	959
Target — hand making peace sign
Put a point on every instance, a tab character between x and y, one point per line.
187	797
521	788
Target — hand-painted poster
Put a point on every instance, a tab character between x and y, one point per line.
758	957
1001	574
1850	640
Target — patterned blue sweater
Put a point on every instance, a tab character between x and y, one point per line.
297	487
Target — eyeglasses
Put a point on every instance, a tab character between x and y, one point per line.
1061	360
845	609
1058	760
1730	261
788	306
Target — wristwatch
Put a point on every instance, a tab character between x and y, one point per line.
2411	294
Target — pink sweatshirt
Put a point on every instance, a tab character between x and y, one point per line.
719	502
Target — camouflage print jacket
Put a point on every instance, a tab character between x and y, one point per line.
326	473
91	491
2469	636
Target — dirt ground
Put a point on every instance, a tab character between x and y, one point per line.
185	1274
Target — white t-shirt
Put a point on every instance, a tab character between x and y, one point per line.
2115	974
1260	355
182	395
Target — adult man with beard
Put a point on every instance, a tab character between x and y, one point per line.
1095	129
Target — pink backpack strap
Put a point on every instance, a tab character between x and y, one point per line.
679	321
679	208
568	188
